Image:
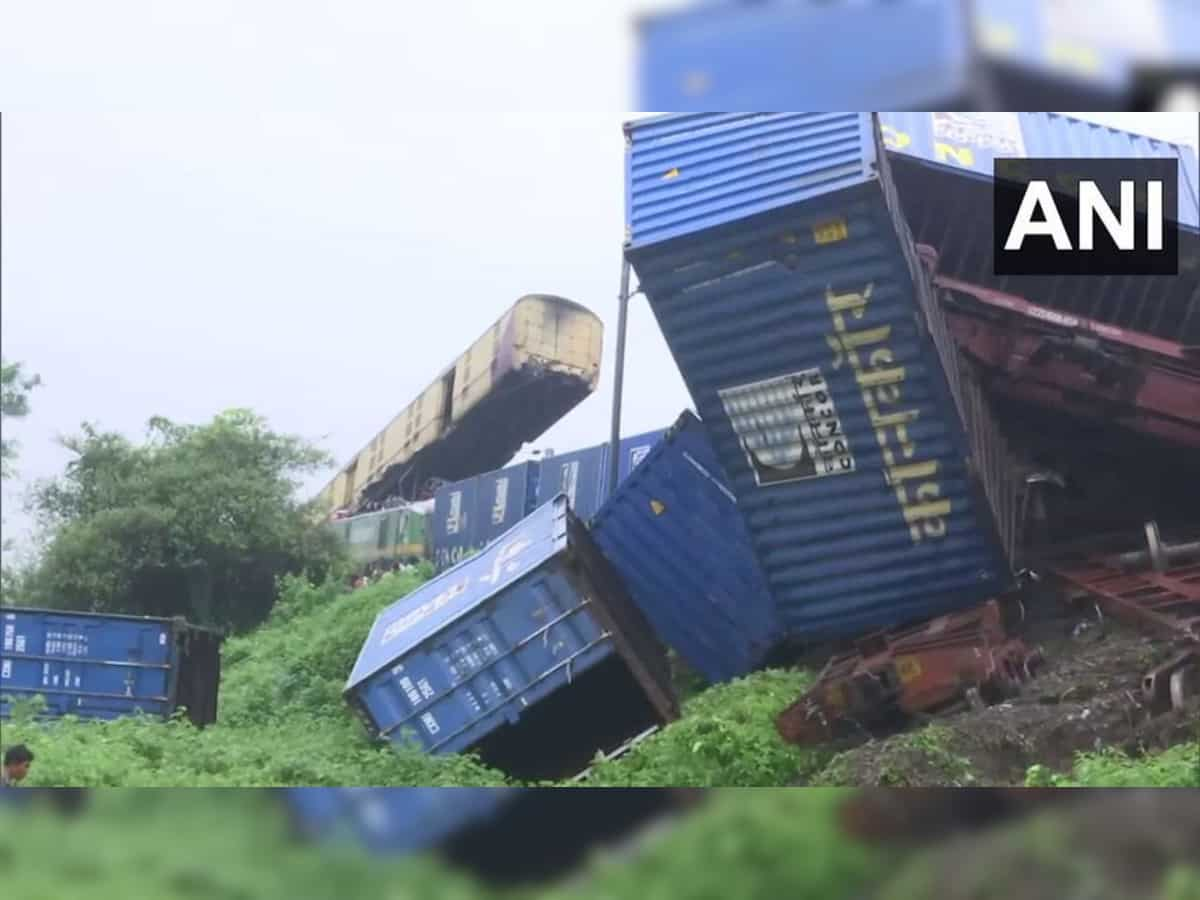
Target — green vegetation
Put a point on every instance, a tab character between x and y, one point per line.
726	737
15	388
913	759
1178	766
283	721
198	521
181	845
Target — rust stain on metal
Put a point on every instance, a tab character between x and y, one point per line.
919	669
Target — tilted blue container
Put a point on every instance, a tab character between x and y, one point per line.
675	536
504	498
530	652
801	54
775	258
102	666
579	475
393	821
456	528
634	450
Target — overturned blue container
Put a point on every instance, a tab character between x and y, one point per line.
392	821
504	498
531	654
579	475
102	666
675	535
456	530
872	481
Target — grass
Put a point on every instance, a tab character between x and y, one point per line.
1178	766
183	845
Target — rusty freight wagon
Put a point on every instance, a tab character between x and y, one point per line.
534	365
774	255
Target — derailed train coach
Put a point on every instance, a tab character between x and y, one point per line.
776	259
530	653
535	364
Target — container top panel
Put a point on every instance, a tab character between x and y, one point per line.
458	591
968	143
792	55
688	173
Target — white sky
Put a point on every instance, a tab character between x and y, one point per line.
167	250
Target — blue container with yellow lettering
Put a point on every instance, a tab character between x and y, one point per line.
531	654
775	256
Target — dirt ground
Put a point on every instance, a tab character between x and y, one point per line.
1086	697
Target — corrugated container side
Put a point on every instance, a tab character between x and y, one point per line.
100	666
504	498
804	55
942	164
456	531
530	653
803	332
676	538
579	475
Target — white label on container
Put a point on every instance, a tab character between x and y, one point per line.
637	454
500	505
1080	33
788	428
6	668
9	631
162	639
430	723
454	517
20	643
998	133
569	481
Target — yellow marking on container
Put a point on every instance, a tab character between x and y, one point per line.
1076	57
673	173
997	37
658	507
830	232
907	668
895	139
964	156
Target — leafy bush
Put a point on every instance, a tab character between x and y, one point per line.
726	737
1178	766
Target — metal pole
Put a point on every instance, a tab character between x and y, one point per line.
614	460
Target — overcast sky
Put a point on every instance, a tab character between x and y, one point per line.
320	268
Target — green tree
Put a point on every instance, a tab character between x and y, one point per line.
14	404
199	520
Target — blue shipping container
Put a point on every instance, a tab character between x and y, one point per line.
784	279
579	475
464	661
100	666
675	536
504	498
633	451
456	530
797	54
393	821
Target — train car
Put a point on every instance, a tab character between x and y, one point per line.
872	481
103	666
387	536
942	167
533	366
530	653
